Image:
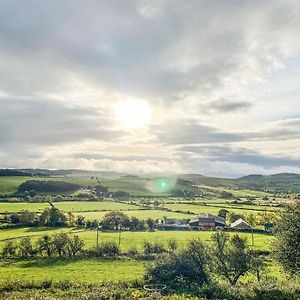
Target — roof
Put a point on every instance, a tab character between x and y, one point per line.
208	217
238	222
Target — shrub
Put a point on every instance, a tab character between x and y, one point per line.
153	248
108	249
183	271
9	249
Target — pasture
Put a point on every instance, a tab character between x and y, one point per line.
131	239
83	270
214	209
140	214
67	206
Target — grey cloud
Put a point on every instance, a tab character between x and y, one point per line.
47	122
190	47
240	155
188	132
226	106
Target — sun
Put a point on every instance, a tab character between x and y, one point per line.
133	114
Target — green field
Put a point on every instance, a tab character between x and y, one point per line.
140	214
132	239
85	270
67	206
30	231
204	209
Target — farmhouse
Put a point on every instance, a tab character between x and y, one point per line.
207	221
240	224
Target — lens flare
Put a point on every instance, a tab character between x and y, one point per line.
162	184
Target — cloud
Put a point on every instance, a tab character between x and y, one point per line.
205	68
42	122
225	106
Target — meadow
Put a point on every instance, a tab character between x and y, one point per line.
131	239
67	206
142	214
81	270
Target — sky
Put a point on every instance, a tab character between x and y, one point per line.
151	86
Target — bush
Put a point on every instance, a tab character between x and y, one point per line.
9	249
108	249
184	271
153	248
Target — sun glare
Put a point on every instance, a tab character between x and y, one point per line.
133	114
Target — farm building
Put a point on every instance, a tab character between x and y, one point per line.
207	221
240	224
171	224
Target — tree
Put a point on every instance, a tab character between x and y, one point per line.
9	249
251	219
258	266
25	247
27	218
223	213
75	245
226	195
150	223
44	217
115	220
57	217
134	223
15	218
71	219
45	245
32	193
60	242
231	257
286	247
79	221
232	217
182	270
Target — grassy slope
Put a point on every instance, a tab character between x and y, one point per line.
88	270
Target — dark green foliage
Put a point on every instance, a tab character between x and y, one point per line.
286	247
57	218
223	213
232	217
231	256
60	243
115	220
108	249
28	218
150	223
26	248
185	270
172	245
11	172
75	245
154	248
45	245
9	249
48	186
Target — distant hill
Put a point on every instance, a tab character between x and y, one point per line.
282	181
277	182
14	172
73	173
